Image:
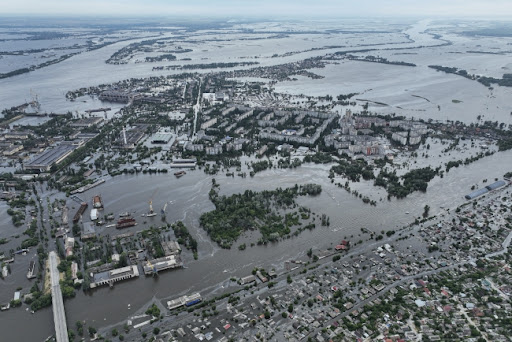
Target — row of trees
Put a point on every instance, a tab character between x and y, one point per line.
184	237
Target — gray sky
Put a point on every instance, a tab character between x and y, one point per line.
273	8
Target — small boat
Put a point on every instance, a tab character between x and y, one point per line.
96	202
407	212
124	214
179	174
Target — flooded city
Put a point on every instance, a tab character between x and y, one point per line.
281	179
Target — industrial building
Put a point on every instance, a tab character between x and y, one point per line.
182	166
87	122
183	163
88	231
495	185
161	264
149	99
171	247
130	138
477	193
161	138
86	137
17	135
184	300
247	280
115	96
12	150
115	275
485	190
52	156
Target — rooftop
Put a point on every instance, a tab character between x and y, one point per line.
51	156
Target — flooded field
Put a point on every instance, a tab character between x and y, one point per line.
389	84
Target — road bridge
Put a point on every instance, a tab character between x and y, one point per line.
59	315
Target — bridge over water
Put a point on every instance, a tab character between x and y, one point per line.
59	315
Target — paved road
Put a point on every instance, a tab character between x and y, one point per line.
59	315
197	108
505	246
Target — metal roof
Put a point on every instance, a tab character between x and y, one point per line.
495	185
477	193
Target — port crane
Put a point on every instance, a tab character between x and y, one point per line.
151	212
163	209
153	268
35	100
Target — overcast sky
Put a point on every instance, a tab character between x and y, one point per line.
270	8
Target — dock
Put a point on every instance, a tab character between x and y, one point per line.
87	187
89	111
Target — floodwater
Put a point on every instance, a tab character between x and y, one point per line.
188	198
393	85
418	92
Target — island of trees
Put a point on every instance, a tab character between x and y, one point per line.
270	212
